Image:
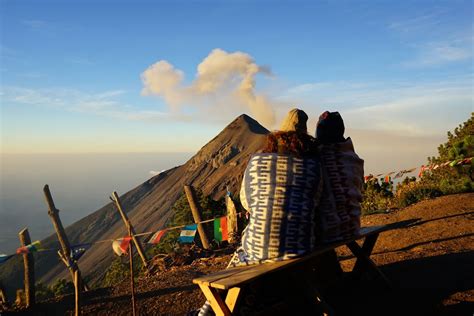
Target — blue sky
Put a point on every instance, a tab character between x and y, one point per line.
74	74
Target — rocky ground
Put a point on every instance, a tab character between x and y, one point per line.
429	261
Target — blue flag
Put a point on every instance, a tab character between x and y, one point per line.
78	250
187	234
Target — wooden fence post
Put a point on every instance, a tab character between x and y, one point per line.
130	229
29	269
77	293
232	228
65	253
3	297
132	279
196	210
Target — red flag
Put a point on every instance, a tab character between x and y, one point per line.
125	243
157	236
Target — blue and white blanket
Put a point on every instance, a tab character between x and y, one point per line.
281	193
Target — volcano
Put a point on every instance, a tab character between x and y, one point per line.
216	167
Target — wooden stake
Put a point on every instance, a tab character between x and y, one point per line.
53	212
196	210
130	229
232	228
3	297
132	279
29	269
77	293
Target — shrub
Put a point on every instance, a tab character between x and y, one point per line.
118	271
42	292
376	196
413	192
62	287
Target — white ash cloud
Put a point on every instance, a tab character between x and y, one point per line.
221	77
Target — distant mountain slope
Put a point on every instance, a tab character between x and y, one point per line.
218	164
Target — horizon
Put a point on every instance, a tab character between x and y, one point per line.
144	78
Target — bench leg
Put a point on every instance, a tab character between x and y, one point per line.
363	257
219	306
367	248
232	297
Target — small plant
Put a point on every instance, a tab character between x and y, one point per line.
43	292
62	287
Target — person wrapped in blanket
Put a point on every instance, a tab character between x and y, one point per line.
343	177
280	189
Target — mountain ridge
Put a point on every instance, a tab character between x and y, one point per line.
218	165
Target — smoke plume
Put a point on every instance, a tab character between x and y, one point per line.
221	78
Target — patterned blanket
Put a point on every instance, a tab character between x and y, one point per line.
281	194
343	174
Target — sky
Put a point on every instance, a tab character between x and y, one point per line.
102	77
166	76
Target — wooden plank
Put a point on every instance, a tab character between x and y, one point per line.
208	279
249	274
232	277
217	303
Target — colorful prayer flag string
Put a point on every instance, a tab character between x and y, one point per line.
220	229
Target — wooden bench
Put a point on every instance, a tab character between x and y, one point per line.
222	289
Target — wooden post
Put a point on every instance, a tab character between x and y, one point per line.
29	269
77	293
3	297
63	241
196	210
130	229
232	228
132	279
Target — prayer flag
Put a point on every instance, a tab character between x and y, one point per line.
454	162
157	236
78	250
4	258
33	247
187	234
421	171
120	246
399	174
387	179
220	228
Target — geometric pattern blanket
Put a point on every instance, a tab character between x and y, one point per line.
339	209
281	193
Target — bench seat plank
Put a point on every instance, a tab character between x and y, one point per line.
232	277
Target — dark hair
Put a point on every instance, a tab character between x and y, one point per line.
330	128
290	143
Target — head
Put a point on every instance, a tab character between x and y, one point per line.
292	138
295	121
330	128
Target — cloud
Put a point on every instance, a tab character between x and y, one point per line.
439	53
434	39
223	81
155	173
102	104
403	108
416	24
